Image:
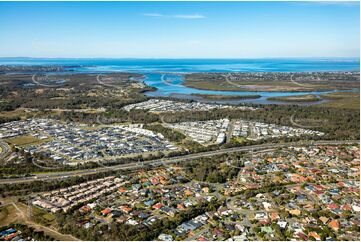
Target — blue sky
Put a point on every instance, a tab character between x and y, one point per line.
179	29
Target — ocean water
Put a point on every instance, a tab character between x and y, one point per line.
166	74
197	65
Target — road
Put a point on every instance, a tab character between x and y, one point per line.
4	149
299	84
165	161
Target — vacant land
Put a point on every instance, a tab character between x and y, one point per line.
7	215
296	98
23	140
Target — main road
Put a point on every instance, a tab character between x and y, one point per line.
165	161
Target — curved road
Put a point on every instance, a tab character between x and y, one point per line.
4	150
165	161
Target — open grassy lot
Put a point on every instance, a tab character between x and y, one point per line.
239	140
13	114
7	215
3	213
24	140
348	100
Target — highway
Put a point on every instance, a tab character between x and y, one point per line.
165	161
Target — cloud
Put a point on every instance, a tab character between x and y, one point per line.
181	16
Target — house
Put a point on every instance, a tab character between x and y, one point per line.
88	225
217	233
315	235
132	222
122	190
165	237
274	216
266	205
333	206
143	215
169	211
180	206
324	220
155	181
202	238
115	213
158	206
106	211
295	212
260	215
188	192
122	219
282	224
149	203
85	209
205	189
302	236
334	224
346	207
125	209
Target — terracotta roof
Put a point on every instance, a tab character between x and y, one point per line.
334	224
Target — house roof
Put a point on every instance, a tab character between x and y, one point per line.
106	211
334	224
158	206
323	219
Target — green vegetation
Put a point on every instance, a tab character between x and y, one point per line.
82	91
3	213
43	217
296	82
215	171
337	123
170	134
27	231
68	223
296	98
24	140
238	140
348	100
225	97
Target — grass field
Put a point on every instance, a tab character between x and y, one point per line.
3	213
13	114
24	140
7	215
238	139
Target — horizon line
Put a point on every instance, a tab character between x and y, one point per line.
175	58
